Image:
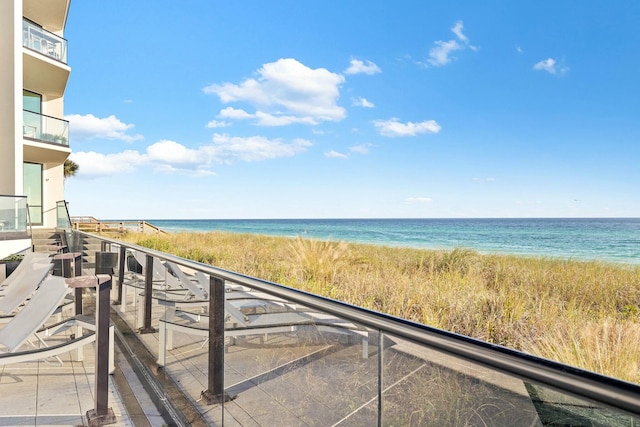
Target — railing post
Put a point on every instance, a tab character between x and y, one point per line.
67	271
101	414
122	259
148	291
215	393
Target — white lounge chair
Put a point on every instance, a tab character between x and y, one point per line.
31	260
26	326
161	278
22	286
194	287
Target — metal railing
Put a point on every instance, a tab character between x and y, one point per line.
42	41
420	374
91	224
45	128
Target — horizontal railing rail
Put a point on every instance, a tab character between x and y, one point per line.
37	38
92	224
45	128
612	392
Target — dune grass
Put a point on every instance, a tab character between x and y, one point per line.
585	314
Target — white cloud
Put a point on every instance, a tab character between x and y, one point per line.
362	102
441	54
457	30
360	149
172	170
394	128
171	157
266	119
519	49
359	67
217	124
234	113
88	127
227	148
551	66
418	200
172	152
92	164
285	92
335	155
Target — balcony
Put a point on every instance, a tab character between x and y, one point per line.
44	42
45	128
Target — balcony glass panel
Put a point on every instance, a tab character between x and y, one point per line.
62	215
13	214
45	128
423	386
40	40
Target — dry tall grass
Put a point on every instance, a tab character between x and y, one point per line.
585	314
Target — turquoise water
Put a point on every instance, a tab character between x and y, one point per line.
604	239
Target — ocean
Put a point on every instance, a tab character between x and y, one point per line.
602	239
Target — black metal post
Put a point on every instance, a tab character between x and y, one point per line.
101	414
215	393
67	272
148	290
77	273
77	263
102	345
122	259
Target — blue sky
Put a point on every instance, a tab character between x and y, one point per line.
349	109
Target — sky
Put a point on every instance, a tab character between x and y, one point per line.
353	109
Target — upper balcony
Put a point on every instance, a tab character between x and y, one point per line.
40	40
44	55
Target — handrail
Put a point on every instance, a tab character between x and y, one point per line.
120	226
574	381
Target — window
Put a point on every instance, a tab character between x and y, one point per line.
33	191
31	101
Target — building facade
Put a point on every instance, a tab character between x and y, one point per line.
34	137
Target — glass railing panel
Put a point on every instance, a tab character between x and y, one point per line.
13	214
557	408
62	215
422	386
41	40
45	128
289	365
